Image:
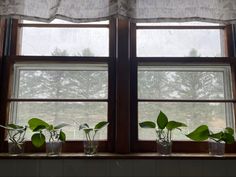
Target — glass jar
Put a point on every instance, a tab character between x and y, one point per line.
91	142
216	148
164	143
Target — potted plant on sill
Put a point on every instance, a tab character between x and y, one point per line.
91	137
216	141
163	128
55	135
16	137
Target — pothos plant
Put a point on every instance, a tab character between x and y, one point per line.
87	129
39	127
16	133
203	132
162	123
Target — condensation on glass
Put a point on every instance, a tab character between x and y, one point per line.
185	83
170	42
61	81
64	41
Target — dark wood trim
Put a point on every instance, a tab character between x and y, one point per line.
123	88
186	101
63	25
180	27
112	86
68	146
180	147
229	41
2	32
4	95
54	100
187	60
14	38
133	89
58	59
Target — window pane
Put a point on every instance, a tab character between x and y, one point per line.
184	82
79	81
65	41
215	115
180	43
58	112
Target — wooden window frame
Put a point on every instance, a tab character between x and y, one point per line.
178	146
122	98
68	146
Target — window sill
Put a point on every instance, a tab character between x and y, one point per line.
174	156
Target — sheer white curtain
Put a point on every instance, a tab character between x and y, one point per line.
138	10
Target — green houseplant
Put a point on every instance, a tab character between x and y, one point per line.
55	135
16	137
90	137
217	140
163	128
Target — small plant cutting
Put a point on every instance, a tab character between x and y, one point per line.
163	128
16	135
90	133
55	134
217	140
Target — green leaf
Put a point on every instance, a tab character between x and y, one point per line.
229	130
83	126
62	136
147	124
38	139
216	136
61	126
175	125
199	134
38	128
228	138
35	122
162	120
101	125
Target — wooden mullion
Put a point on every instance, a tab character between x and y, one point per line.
112	86
14	38
123	88
187	60
188	100
55	100
59	59
180	27
133	89
63	25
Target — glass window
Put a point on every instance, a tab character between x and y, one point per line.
40	83
196	85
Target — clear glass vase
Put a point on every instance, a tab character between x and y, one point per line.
16	139
164	143
53	148
53	145
91	142
216	148
15	148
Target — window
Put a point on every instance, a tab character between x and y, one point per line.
197	86
121	72
61	38
49	92
175	70
61	74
